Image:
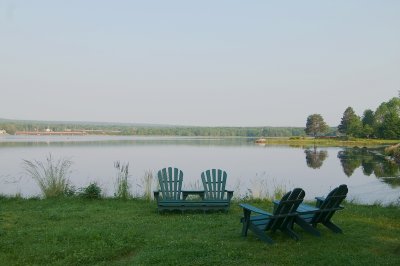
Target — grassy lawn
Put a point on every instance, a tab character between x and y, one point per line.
114	232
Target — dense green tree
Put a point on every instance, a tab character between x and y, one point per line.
368	123
351	124
387	119
368	117
315	125
390	128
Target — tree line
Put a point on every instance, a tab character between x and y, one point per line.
12	126
383	123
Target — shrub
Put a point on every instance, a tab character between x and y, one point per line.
51	176
70	191
92	191
394	151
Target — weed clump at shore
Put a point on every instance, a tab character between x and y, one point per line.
51	175
122	185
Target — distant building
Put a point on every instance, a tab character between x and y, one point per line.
2	132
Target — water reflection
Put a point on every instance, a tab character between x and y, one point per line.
281	166
112	141
315	158
371	163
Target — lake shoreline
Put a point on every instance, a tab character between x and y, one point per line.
326	142
291	141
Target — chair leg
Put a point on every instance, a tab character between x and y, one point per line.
333	227
261	234
245	220
306	226
290	233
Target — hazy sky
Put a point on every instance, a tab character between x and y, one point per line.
205	63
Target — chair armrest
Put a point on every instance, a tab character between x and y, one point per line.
254	209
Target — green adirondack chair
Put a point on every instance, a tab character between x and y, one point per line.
172	197
282	218
169	197
215	194
324	210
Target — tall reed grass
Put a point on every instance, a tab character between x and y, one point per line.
122	184
148	185
262	187
51	175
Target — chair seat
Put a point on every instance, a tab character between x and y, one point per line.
192	202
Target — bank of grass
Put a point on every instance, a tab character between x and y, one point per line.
308	141
116	232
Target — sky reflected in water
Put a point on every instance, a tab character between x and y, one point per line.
253	170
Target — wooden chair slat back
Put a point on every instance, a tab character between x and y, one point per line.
214	182
331	204
170	180
287	205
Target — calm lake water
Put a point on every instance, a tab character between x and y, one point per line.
252	169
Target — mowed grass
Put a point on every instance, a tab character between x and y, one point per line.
116	232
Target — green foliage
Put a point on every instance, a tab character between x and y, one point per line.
92	191
367	131
384	123
368	118
387	120
315	125
122	184
368	121
51	175
390	127
350	124
70	191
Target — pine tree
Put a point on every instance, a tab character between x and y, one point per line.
315	125
351	124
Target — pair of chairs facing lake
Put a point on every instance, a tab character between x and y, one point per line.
290	210
214	196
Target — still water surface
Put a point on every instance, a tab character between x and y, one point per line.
252	169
